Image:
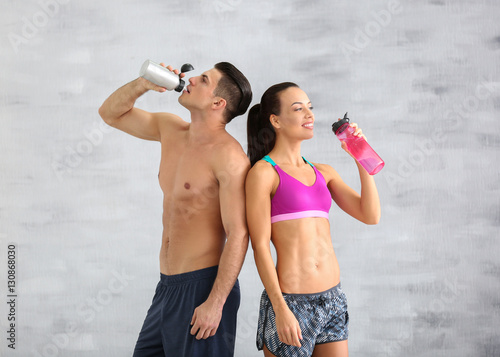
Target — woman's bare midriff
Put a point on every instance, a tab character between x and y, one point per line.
306	261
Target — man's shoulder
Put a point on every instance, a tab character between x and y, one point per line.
228	153
228	145
170	121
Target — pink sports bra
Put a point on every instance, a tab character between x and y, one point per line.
294	200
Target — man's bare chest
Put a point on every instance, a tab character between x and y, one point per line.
187	174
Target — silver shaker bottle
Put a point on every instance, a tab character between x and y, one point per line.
163	77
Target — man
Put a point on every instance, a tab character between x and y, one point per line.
205	238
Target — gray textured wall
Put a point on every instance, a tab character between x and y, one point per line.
82	204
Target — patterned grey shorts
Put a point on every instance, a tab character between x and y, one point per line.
322	317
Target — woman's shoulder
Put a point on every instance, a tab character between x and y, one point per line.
262	172
262	167
326	170
322	167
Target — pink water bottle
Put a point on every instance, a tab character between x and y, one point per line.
358	146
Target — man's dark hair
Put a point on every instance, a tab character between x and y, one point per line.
234	88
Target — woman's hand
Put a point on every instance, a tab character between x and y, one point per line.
357	132
288	327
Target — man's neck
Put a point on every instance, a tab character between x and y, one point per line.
204	126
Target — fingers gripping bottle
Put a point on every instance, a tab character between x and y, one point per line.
163	77
358	146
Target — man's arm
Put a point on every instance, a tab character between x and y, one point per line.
118	111
231	176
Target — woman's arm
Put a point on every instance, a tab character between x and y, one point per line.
259	185
365	207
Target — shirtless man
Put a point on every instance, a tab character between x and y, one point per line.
205	238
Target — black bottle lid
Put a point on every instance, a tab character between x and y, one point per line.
338	124
186	67
180	87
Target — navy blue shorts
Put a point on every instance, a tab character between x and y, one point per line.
166	329
322	317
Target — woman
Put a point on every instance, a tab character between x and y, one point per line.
303	311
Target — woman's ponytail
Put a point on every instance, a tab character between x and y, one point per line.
261	136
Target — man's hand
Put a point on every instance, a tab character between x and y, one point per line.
206	319
151	86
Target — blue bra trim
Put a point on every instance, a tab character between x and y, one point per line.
268	159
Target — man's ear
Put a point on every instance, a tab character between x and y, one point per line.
219	103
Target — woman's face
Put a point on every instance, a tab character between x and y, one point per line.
296	119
